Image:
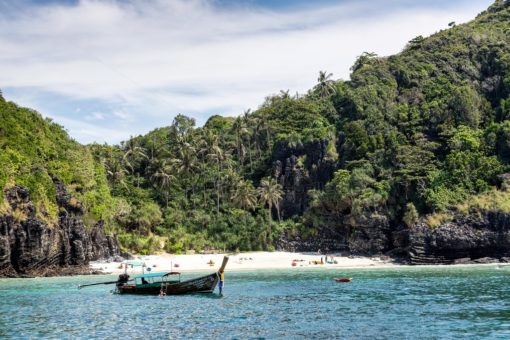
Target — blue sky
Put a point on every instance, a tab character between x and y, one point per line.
107	70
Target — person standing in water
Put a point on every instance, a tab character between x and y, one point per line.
222	279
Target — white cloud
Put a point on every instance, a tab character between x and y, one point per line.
150	60
87	132
95	116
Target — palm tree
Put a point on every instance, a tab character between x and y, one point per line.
207	149
325	84
217	156
270	193
267	127
115	172
162	177
186	159
240	130
131	152
257	122
245	195
186	165
364	59
285	94
246	132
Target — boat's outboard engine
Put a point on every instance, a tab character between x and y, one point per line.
123	278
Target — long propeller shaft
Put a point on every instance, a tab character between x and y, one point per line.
95	284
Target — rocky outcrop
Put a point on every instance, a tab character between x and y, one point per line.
371	235
299	169
304	167
480	237
30	247
325	241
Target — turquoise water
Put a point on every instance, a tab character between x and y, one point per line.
407	302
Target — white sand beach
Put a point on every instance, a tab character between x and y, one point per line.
244	261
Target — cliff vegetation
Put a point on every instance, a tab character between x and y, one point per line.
413	137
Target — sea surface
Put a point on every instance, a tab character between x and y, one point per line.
471	302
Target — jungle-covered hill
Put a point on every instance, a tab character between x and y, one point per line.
418	137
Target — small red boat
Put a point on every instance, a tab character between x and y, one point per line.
343	279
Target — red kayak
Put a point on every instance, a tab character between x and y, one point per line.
343	279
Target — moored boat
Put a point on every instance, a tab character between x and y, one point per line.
343	279
166	283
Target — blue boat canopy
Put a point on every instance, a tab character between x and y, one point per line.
162	274
134	263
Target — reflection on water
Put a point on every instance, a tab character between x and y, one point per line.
416	302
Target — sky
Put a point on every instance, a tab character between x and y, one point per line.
107	70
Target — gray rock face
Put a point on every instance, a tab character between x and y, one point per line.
326	241
305	167
299	169
370	236
480	237
29	247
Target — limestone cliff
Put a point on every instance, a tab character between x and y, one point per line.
481	236
31	247
299	169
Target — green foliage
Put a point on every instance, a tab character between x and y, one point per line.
145	217
289	116
493	200
139	244
426	125
465	105
411	215
410	134
35	151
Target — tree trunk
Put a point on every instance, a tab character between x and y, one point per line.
270	236
249	156
218	197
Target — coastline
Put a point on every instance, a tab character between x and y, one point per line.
262	261
244	261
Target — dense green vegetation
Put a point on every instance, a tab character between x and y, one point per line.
35	151
408	135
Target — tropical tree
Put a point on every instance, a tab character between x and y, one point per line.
162	178
245	195
257	128
220	158
132	151
240	131
325	85
364	59
115	172
247	134
270	194
266	126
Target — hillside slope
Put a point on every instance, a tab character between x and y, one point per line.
351	165
407	158
50	185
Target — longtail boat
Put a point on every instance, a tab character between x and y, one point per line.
165	283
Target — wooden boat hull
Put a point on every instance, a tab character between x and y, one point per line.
204	284
343	279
